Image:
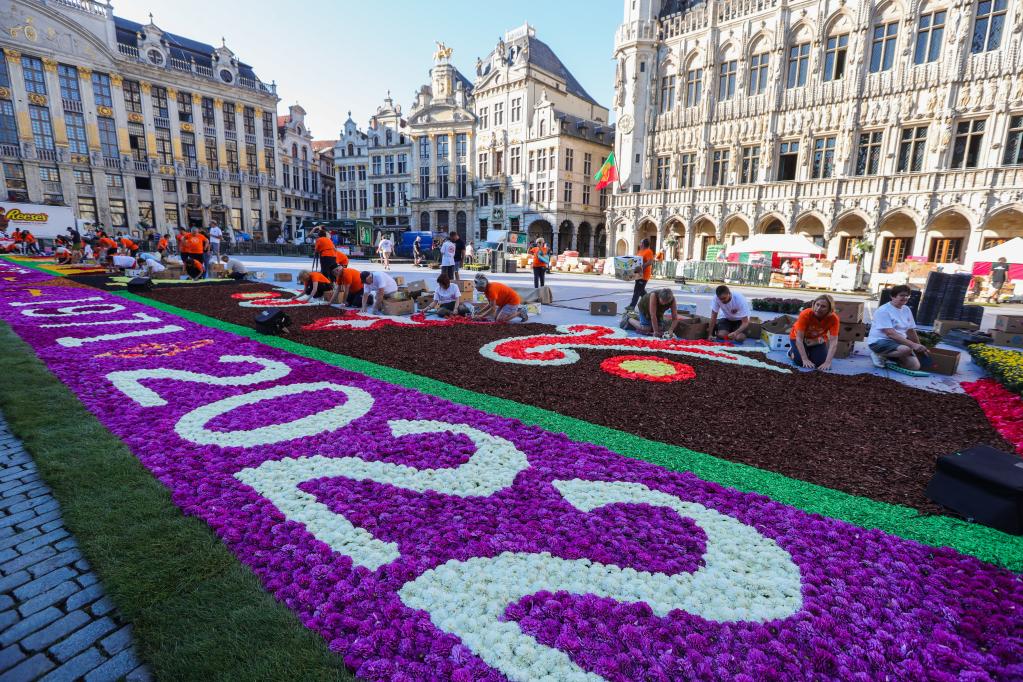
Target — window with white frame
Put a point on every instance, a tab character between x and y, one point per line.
727	71
799	63
694	87
835	55
749	170
719	167
823	158
882	46
1014	142
912	146
968	142
758	72
667	93
929	35
989	25
868	152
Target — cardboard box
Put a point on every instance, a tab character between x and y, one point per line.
844	349
283	277
603	308
849	311
417	286
406	307
465	297
687	309
466	285
625	267
1011	339
945	361
943	326
1009	323
855	331
776	341
754	328
693	328
782	324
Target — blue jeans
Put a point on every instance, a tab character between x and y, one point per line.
816	354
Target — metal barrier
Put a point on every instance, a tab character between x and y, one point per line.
732	273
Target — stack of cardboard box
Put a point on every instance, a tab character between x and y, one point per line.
851	327
692	328
1008	331
775	333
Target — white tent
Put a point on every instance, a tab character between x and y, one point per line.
1011	250
777	243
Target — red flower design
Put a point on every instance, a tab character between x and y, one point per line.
1003	408
646	368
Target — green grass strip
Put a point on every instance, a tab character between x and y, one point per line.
979	541
197	612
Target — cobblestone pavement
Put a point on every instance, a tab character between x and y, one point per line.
55	622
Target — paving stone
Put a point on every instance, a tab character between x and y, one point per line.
32	559
66	543
26	626
77	667
56	631
54	562
13	519
10	657
83	565
8	618
31	669
7	554
82	639
102	607
10	582
43	583
85	597
5	602
9	473
19	538
44	539
25	503
40	519
14	503
117	641
12	483
48	598
140	674
26	488
86	579
114	669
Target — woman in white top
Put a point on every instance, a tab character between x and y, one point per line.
385	248
445	297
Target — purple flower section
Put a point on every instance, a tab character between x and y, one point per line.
874	606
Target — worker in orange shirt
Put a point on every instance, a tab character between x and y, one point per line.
503	304
31	244
325	251
105	247
540	259
645	270
128	245
161	246
193	246
316	284
347	287
19	240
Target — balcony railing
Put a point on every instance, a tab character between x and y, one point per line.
10	151
195	173
132	52
50	187
88	190
112	163
128	50
250	139
209	131
161	122
47	154
140	166
231	135
73	106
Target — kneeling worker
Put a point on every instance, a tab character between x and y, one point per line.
380	286
347	287
503	304
733	311
236	270
815	335
652	306
316	285
893	334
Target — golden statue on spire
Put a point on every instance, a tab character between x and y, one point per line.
443	52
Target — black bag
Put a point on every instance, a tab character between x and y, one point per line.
982	485
272	321
139	284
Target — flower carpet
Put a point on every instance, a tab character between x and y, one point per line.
832	430
425	539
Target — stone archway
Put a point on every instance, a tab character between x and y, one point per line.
849	230
647	230
704	235
736	230
1001	227
947	238
771	225
622	248
541	228
811	227
675	240
600	241
896	237
584	245
564	242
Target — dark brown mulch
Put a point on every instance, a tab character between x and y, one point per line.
864	435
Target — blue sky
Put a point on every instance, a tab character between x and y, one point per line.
333	57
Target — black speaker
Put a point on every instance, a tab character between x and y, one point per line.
139	284
983	485
272	321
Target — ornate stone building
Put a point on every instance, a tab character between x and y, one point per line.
540	137
131	125
351	156
300	171
324	153
442	123
897	123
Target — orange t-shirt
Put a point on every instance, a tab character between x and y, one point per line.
351	278
342	259
193	244
815	330
648	259
501	295
318	277
536	252
324	248
18	237
107	243
162	244
30	238
128	244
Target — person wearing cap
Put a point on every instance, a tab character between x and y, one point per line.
380	286
503	304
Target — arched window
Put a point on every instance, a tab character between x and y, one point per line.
884	38
728	72
798	66
294	150
424	222
351	149
759	62
305	153
694	81
836	50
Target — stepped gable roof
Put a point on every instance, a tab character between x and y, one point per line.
180	47
542	56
